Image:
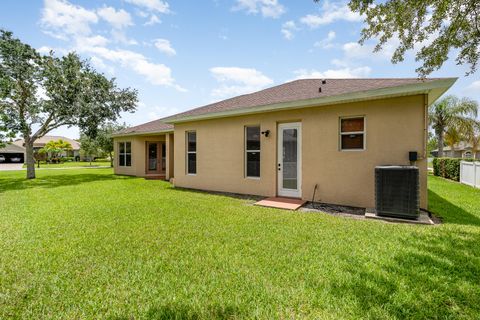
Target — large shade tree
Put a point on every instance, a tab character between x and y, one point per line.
41	93
451	112
438	27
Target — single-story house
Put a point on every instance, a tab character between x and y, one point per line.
41	142
287	140
12	154
461	150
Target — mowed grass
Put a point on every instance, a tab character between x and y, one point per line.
87	244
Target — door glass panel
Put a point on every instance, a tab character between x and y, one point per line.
290	145
152	156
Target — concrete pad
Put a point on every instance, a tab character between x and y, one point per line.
422	219
281	203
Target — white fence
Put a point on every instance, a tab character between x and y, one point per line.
470	173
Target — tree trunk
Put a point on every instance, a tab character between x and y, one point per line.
440	143
111	160
30	159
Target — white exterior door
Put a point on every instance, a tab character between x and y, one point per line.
289	156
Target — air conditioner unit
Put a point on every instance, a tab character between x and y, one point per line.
397	191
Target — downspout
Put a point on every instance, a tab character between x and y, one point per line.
425	128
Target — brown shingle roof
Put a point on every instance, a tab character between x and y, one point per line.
304	89
149	127
298	90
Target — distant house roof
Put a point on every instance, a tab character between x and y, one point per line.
301	94
12	148
462	146
41	142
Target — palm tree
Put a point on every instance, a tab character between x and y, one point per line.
451	112
473	137
452	138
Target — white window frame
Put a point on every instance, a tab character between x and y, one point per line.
250	151
191	152
125	153
364	132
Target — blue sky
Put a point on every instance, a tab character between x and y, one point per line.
184	54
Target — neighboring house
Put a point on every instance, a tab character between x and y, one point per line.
289	139
41	142
461	150
12	154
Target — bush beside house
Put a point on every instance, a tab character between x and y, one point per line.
448	168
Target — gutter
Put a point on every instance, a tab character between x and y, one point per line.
143	133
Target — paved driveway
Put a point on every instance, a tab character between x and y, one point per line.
10	166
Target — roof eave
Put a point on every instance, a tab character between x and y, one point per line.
143	133
434	89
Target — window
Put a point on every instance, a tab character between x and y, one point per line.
352	133
125	154
252	152
191	152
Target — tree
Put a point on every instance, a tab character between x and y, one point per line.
89	147
452	137
451	112
432	143
105	139
473	137
55	148
453	25
47	92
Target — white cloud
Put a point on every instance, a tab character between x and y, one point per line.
120	36
330	13
341	73
152	5
163	45
235	81
101	65
288	29
44	49
153	20
474	86
268	8
92	41
327	42
65	19
118	19
158	112
156	74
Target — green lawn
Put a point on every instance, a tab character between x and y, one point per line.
73	164
87	244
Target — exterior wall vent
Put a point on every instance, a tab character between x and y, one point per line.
397	191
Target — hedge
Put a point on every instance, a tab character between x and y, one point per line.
448	168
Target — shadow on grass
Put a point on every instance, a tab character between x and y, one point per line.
449	212
218	193
54	181
433	276
184	312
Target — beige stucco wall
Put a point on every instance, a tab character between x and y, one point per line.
393	128
138	154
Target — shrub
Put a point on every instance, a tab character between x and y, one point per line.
448	168
66	159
